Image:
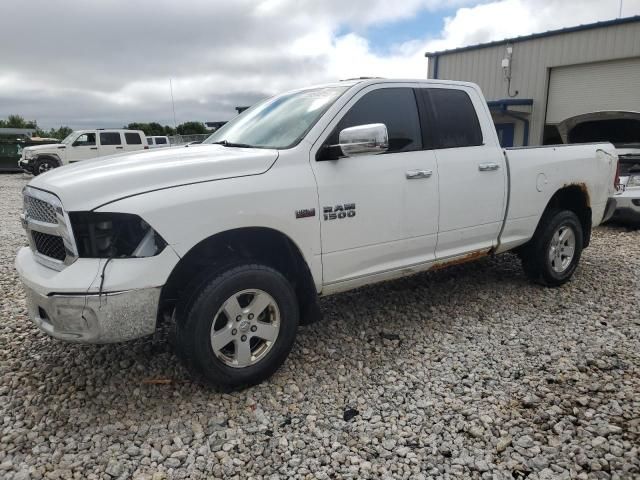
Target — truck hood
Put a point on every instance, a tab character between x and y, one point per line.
38	148
91	183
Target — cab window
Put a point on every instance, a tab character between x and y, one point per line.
453	116
396	108
110	138
85	140
132	138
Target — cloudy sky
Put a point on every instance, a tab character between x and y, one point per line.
106	63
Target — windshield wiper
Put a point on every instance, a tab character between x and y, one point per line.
226	143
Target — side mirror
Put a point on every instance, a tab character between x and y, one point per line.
364	140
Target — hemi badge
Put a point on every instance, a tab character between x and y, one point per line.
306	212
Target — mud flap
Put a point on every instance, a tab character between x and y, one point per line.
609	209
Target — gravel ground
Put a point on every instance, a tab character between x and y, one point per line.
469	372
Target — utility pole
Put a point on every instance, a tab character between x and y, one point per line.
173	106
620	10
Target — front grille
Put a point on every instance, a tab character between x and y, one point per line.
40	210
49	245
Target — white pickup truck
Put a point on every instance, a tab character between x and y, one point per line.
309	193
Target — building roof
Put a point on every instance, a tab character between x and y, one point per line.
550	33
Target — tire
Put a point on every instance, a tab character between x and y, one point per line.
44	164
552	256
213	344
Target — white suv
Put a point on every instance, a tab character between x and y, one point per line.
81	145
158	141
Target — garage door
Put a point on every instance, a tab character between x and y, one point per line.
593	87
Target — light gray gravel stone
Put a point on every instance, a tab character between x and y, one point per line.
525	441
478	374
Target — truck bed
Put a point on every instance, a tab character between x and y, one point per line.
534	178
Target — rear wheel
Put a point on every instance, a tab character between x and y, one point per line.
238	326
554	252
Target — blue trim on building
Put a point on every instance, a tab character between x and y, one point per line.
525	123
550	33
505	133
503	107
525	135
507	102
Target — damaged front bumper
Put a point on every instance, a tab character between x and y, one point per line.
95	318
94	300
27	165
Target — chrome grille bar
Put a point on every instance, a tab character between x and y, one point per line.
39	210
43	213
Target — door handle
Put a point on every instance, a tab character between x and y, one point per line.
93	148
488	167
119	148
415	174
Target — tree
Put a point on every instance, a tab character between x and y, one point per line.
61	132
17	121
191	128
153	128
58	133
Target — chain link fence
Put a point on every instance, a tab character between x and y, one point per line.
184	139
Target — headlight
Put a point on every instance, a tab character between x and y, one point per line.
634	181
28	155
114	235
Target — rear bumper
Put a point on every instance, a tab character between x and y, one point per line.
106	318
628	206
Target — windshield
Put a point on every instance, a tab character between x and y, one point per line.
279	122
69	138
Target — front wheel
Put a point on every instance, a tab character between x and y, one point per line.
553	254
238	326
44	165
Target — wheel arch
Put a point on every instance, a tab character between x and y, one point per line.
253	244
51	156
46	156
573	197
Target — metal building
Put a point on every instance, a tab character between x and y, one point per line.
537	84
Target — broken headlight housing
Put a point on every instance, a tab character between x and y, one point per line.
114	235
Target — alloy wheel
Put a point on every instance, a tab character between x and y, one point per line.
245	328
562	248
44	167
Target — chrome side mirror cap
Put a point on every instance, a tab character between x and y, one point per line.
368	139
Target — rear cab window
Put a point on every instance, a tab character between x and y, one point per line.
449	119
110	138
132	138
161	141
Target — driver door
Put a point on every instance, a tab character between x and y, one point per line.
83	148
376	215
